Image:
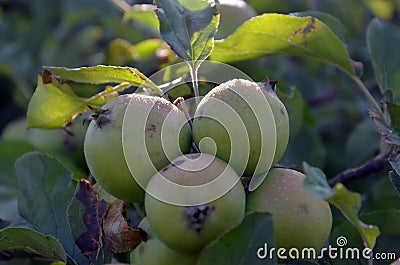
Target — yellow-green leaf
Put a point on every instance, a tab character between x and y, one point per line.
277	34
52	106
102	74
349	203
54	103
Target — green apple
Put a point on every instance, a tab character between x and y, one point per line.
48	141
55	142
106	154
208	201
280	116
232	14
301	220
154	252
237	116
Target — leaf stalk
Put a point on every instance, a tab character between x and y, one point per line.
370	98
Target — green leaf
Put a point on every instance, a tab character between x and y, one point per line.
332	22
394	161
306	146
395	179
387	242
241	245
143	14
102	74
9	152
316	183
53	104
389	223
32	242
383	40
190	33
121	51
357	152
349	203
388	220
148	48
46	190
389	135
383	9
277	34
394	175
394	111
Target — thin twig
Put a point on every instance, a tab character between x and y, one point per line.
106	92
122	5
377	164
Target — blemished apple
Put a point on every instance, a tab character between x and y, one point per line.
239	119
104	148
154	252
188	228
301	220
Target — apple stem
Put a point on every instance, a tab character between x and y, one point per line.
246	182
195	81
195	148
180	102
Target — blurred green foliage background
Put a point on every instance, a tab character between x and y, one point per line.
329	119
331	128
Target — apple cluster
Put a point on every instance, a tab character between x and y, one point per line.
189	174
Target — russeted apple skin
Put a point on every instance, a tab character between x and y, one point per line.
154	252
259	130
170	222
104	152
301	220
